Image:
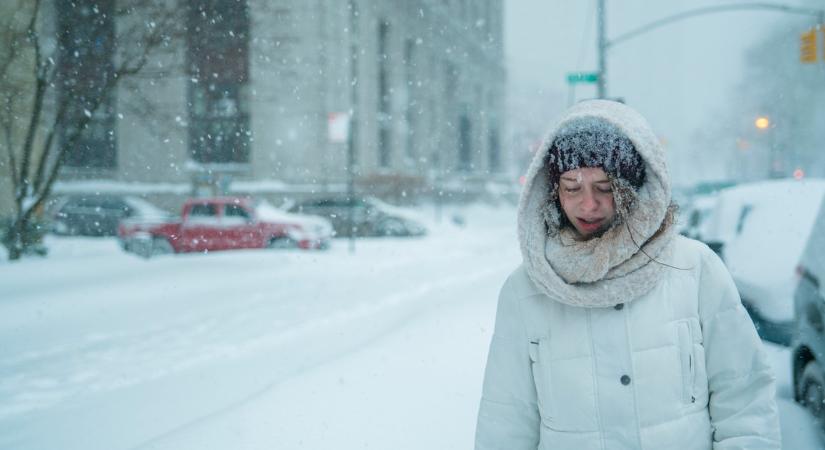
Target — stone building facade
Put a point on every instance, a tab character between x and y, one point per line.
244	99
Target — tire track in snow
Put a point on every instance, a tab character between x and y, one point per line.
107	362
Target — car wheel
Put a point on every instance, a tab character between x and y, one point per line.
60	228
392	227
812	390
282	242
161	246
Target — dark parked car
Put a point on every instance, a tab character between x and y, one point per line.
808	359
99	215
370	217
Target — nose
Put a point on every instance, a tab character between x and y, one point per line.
589	201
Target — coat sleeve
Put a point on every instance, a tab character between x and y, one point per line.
508	417
740	380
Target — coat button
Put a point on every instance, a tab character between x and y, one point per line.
619	306
625	380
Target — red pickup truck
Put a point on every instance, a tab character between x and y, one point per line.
225	223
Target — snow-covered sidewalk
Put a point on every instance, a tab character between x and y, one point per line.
416	387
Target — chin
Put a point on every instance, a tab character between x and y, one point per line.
586	236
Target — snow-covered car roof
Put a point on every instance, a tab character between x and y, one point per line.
140	207
267	211
397	211
145	209
794	195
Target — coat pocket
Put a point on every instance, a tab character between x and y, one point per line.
540	360
564	389
688	361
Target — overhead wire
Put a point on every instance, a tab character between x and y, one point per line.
588	20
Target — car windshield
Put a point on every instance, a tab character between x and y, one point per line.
287	224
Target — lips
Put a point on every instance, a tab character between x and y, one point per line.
589	225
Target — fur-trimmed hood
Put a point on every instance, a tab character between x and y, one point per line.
625	262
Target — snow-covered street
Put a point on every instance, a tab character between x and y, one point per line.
383	348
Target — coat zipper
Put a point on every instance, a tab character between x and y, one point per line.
685	335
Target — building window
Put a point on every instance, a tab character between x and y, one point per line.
465	148
86	44
384	114
452	115
218	86
354	86
411	99
495	150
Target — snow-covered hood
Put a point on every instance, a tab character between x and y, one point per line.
768	221
609	269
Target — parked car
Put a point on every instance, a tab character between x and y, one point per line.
694	216
99	215
760	230
370	216
225	223
808	354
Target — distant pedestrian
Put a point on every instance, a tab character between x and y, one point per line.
615	332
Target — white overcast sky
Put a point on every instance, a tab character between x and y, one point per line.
678	76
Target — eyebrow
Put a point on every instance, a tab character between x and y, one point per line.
575	180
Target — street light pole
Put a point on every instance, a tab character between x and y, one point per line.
603	44
765	126
601	84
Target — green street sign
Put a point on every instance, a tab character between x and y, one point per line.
582	77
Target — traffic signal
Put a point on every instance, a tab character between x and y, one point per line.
807	47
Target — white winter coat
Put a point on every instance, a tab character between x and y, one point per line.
677	367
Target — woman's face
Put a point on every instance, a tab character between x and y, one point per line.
586	196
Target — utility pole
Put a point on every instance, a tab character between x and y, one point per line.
601	84
353	121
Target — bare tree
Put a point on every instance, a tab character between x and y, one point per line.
32	113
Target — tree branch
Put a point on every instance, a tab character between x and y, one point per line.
37	108
47	146
41	197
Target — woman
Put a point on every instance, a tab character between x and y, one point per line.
615	333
